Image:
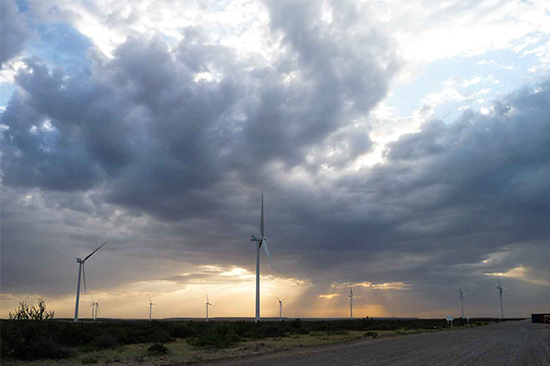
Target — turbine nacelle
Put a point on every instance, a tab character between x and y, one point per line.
254	238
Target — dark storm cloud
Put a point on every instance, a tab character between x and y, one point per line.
141	124
14	32
139	133
171	168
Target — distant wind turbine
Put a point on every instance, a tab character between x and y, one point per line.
96	308
150	307
462	294
262	242
82	272
280	308
207	305
500	288
93	308
351	302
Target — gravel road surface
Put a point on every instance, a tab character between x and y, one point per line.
509	343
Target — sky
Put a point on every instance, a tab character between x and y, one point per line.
403	148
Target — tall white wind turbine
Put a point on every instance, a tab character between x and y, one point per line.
262	242
82	272
150	307
280	308
500	288
207	305
462	294
350	302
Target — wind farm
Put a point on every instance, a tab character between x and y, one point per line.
208	333
329	172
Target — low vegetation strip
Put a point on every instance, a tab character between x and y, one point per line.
187	340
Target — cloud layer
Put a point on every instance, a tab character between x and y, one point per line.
165	147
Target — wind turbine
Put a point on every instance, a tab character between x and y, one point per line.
262	242
93	308
96	309
350	302
81	271
150	307
280	308
500	288
207	305
462	294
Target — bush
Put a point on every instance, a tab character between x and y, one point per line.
157	349
27	312
88	360
43	346
372	334
104	342
220	336
183	331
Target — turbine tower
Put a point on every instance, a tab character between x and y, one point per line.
462	300
262	242
350	302
82	272
93	308
96	309
500	288
150	307
207	305
280	308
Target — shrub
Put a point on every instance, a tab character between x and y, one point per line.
104	342
88	360
372	334
220	336
27	312
157	349
182	331
297	323
43	346
161	336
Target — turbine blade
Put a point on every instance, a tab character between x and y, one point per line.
149	298
284	298
264	242
92	253
67	254
500	284
262	219
207	298
351	291
277	298
461	294
84	275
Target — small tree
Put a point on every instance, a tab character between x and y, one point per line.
27	312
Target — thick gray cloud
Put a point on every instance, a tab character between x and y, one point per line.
165	151
14	32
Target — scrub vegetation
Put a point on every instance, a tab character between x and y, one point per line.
113	341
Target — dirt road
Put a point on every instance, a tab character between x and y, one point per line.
510	344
